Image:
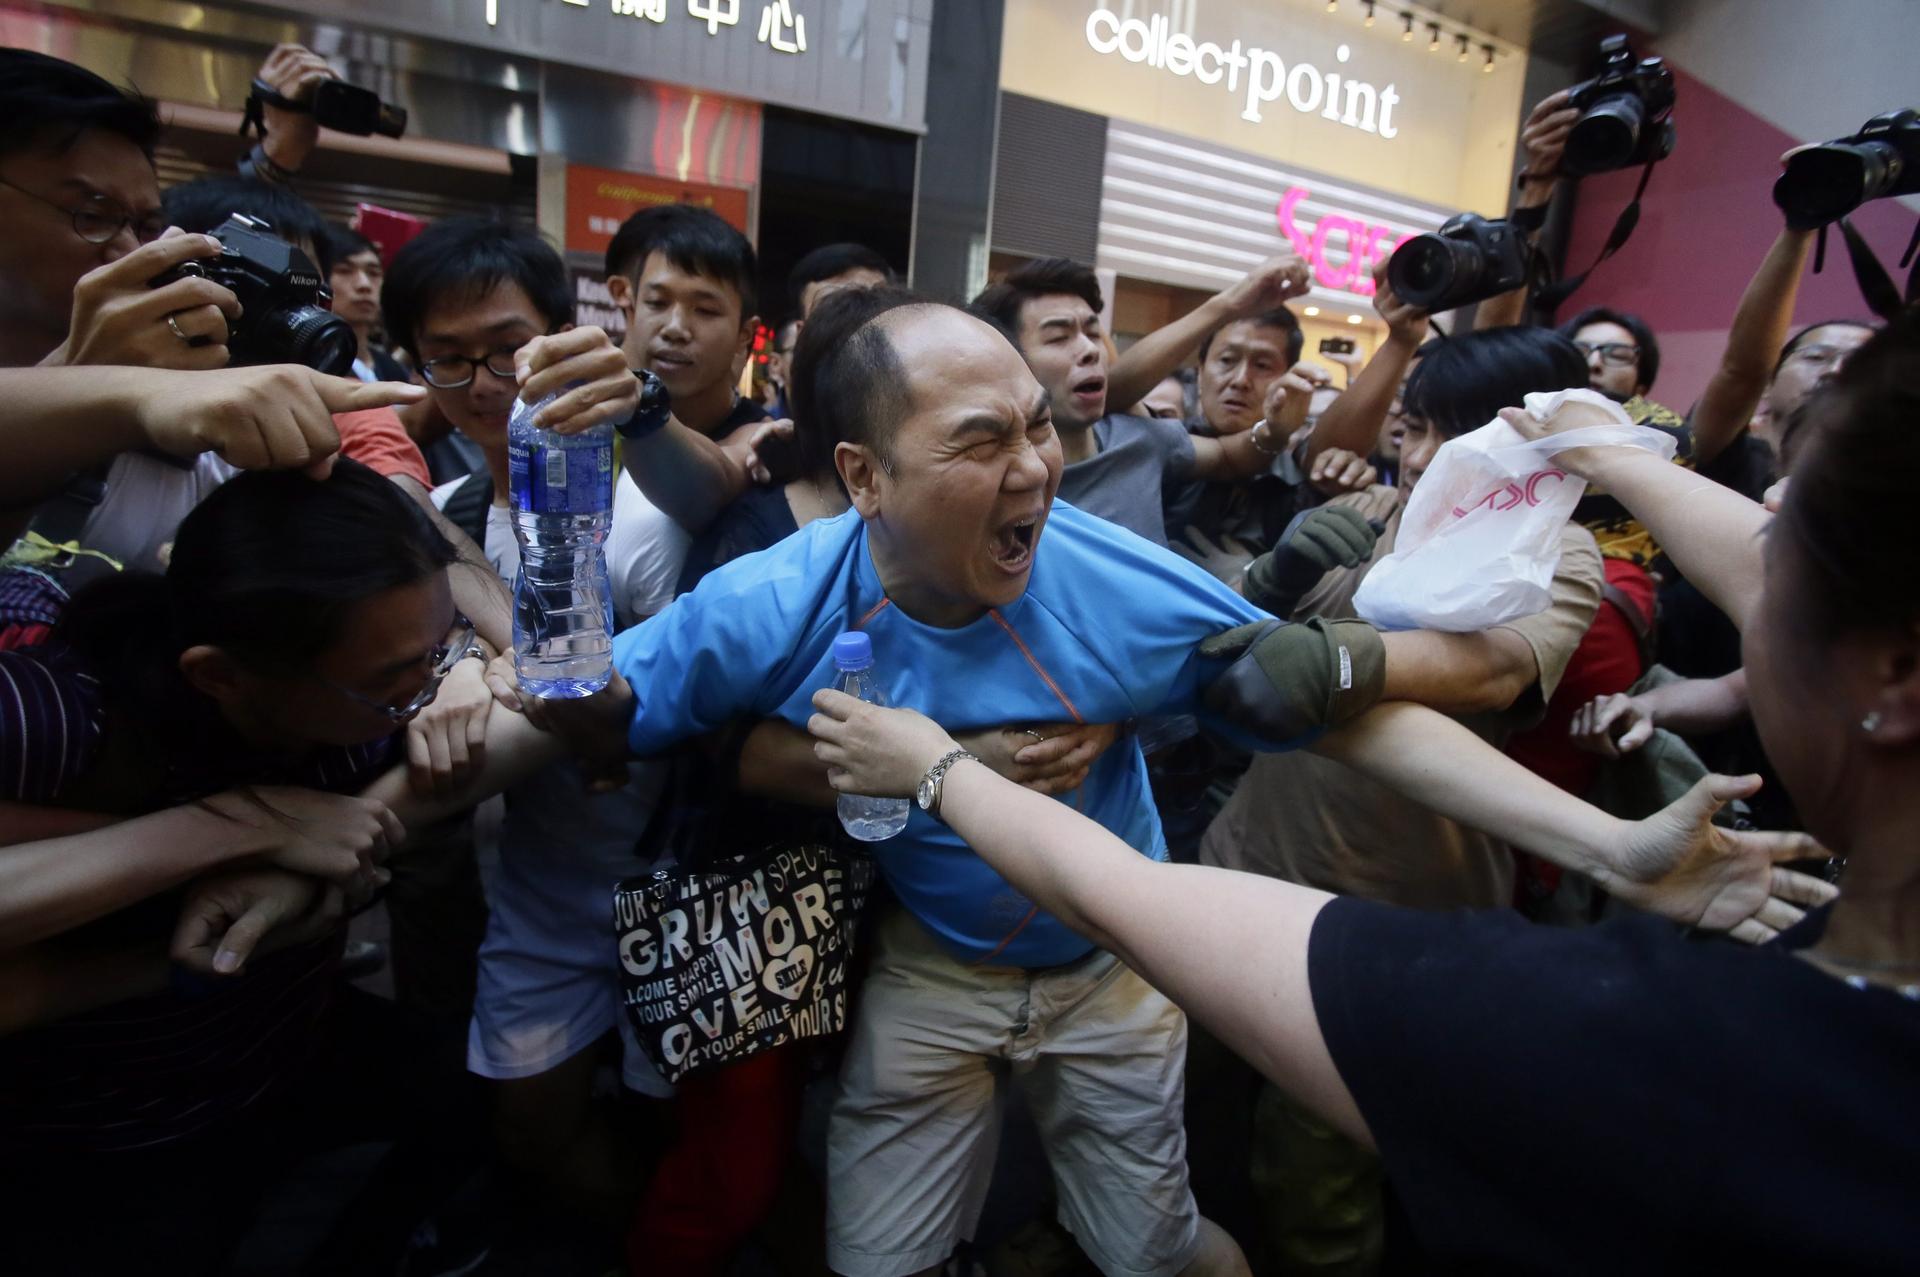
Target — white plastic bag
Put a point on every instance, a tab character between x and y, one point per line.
1479	540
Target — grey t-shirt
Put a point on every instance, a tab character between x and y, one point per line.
1139	458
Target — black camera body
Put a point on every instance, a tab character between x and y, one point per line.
1822	184
284	317
348	108
1467	260
1626	114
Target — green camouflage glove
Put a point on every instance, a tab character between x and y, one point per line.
1314	544
1289	680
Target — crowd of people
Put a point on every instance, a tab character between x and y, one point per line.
1227	933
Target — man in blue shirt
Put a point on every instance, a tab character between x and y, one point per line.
987	603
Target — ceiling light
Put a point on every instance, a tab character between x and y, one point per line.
1311	311
1463	48
1433	37
1406	32
1488	67
1369	21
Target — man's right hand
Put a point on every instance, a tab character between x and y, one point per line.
278	417
1544	138
593	727
119	318
1405	323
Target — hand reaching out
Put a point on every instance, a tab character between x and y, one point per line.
1679	864
339	838
1544	137
1273	282
587	371
229	917
447	739
292	71
277	417
869	750
1337	472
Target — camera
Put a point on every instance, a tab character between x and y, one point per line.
336	105
1337	345
1467	260
283	318
1824	183
1626	114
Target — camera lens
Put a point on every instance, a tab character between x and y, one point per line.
1604	138
1427	270
306	335
1822	184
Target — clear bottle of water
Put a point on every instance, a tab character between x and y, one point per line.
562	493
868	819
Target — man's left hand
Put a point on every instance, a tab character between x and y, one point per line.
1267	286
293	71
603	388
227	918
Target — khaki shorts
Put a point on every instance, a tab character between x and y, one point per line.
1102	1058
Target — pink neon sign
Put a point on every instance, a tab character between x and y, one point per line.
1365	243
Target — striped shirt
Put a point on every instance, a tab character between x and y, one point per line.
153	1069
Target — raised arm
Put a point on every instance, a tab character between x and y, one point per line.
1759	330
1352	422
1147	362
1544	139
691	478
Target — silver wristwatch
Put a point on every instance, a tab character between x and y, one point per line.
928	794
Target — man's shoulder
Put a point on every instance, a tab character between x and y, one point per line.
1157	432
1090	560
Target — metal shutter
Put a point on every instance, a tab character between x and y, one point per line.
1046	179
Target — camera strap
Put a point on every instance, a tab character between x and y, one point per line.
1549	296
254	119
1883	298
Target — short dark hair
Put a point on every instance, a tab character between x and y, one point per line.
1001	303
266	568
204	203
1649	363
848	384
49	103
1462	383
1793	342
830	261
465	258
1279	317
337	243
697	240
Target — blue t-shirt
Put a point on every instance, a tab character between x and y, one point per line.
1105	632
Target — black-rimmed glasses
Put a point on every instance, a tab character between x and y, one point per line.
450	372
99	219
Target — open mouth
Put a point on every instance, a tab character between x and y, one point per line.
1012	547
1090	388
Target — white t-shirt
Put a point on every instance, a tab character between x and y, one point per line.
146	498
645	550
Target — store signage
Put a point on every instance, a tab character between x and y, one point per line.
1364	243
1353	103
599	200
780	27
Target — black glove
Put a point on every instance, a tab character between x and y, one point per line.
1289	680
1314	544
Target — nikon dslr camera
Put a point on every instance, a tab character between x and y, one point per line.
1467	260
1824	183
284	317
1626	114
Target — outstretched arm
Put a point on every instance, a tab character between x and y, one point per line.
691	478
1230	948
1759	330
1711	532
1352	422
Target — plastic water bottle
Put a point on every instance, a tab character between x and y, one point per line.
868	819
562	490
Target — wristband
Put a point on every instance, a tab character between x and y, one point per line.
654	411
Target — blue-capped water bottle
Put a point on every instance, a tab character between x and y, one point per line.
868	819
562	491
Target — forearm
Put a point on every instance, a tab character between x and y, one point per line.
1193	933
1439	764
478	592
1759	330
1352	422
49	982
55	884
62	421
515	750
1149	361
1458	673
777	761
1511	307
1233	457
1698	706
686	475
1711	532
